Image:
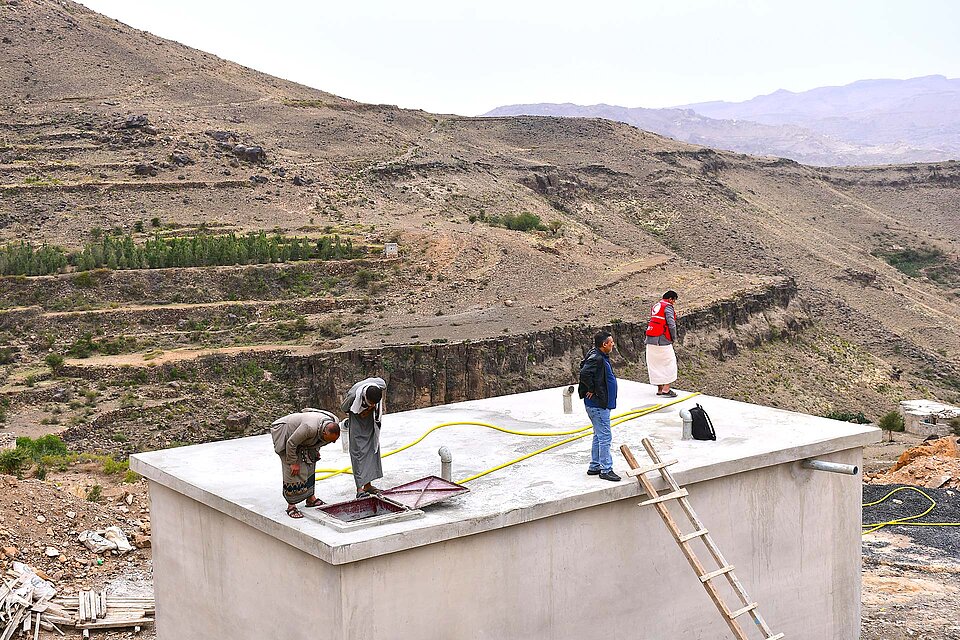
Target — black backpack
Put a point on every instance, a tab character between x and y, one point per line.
702	426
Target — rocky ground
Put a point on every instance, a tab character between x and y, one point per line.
40	523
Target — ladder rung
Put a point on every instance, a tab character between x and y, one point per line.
695	534
714	574
740	612
776	637
682	493
639	471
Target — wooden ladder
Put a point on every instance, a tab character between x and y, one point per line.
683	539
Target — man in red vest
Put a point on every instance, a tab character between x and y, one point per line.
661	332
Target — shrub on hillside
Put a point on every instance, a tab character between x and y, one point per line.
847	416
48	445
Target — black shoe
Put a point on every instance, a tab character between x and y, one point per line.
593	472
609	475
668	394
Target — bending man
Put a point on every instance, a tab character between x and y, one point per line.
363	405
297	439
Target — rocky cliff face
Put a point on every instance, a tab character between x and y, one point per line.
424	375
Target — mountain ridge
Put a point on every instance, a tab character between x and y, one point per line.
914	120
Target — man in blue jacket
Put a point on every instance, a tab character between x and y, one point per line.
598	388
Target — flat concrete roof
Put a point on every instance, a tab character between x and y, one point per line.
241	477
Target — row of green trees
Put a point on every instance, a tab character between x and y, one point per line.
23	259
122	252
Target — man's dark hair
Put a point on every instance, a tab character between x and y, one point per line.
670	295
373	394
600	338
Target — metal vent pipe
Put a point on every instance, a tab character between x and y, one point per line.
568	399
832	467
446	464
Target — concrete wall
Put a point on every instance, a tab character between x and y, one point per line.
216	577
793	534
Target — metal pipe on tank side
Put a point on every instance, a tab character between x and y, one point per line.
446	464
832	467
568	399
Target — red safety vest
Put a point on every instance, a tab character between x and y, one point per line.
658	321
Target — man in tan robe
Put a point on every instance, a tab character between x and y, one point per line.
297	439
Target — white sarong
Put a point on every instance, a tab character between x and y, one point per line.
661	364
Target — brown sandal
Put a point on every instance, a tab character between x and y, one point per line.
293	512
314	501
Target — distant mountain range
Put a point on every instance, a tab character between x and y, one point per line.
862	123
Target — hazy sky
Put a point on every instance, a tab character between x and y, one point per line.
466	58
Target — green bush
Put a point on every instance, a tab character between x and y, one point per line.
113	467
523	222
912	261
48	445
7	355
95	493
131	476
54	361
891	421
12	461
955	426
846	416
365	277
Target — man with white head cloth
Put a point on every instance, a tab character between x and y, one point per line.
363	405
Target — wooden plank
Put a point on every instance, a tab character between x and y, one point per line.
114	624
740	612
80	612
676	495
714	574
691	536
776	637
647	468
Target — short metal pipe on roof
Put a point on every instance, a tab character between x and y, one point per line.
687	418
446	464
832	467
568	399
345	434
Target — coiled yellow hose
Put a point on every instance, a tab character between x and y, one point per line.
907	521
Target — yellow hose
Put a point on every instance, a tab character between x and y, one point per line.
581	433
907	521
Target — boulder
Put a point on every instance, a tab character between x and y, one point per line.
136	122
146	169
222	136
62	394
237	422
250	154
180	158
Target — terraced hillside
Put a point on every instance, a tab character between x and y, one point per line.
805	288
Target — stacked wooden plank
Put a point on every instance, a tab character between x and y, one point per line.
92	610
26	609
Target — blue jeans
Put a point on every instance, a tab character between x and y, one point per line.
600	453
